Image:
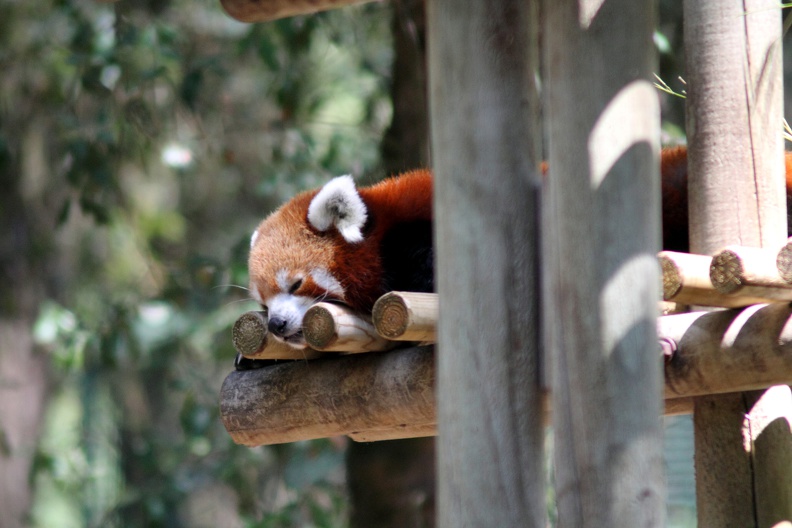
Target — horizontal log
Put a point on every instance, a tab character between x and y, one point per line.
406	316
749	272
727	351
345	395
392	395
266	10
334	328
686	280
251	338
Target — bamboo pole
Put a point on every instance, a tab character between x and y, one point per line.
406	316
266	10
749	271
334	328
329	397
250	338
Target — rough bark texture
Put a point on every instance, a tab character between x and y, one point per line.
602	229
320	398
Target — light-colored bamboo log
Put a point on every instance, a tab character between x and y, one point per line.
250	338
330	397
335	328
266	10
749	272
406	316
686	280
784	261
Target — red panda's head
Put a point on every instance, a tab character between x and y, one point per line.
299	254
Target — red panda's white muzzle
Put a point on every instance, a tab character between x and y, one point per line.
286	313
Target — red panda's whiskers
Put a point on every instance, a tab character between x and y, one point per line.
231	286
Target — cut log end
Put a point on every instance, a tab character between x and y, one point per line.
391	316
784	262
319	328
407	316
249	333
672	277
726	271
251	338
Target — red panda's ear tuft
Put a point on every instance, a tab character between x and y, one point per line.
339	205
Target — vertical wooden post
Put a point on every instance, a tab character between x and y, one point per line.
485	142
603	232
733	51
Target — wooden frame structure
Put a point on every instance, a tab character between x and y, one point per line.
485	391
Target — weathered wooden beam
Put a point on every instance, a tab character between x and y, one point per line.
406	316
250	338
266	10
301	400
335	328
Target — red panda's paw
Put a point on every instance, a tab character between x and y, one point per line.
339	205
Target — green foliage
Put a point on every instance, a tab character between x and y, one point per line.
167	134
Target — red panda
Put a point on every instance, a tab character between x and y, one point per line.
342	244
350	245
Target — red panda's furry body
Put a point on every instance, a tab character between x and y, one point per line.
342	244
352	245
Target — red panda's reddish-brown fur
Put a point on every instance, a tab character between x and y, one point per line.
404	199
291	256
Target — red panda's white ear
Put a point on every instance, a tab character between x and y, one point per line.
339	204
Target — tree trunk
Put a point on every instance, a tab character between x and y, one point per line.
23	373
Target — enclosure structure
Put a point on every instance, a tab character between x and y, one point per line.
589	254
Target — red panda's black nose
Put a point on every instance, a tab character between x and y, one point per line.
277	325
